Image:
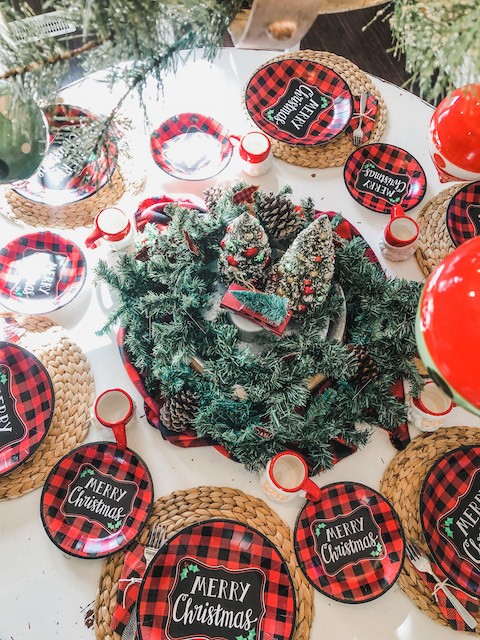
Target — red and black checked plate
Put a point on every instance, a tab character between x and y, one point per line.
190	146
463	214
450	516
40	272
26	405
299	102
381	175
58	181
350	543
96	500
217	580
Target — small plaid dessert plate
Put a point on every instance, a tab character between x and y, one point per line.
463	214
65	176
96	500
217	580
40	272
350	543
381	175
26	405
450	516
299	102
190	146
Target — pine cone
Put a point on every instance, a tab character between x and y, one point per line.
279	216
178	411
211	196
367	369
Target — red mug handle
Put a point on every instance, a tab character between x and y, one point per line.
312	490
234	140
91	241
397	212
120	433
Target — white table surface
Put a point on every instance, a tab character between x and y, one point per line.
44	594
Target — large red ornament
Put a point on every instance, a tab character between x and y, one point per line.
251	252
454	140
447	327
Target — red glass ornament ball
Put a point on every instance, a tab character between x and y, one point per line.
231	261
251	252
308	291
222	243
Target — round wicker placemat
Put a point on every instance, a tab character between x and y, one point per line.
434	242
402	483
73	386
182	508
334	153
128	177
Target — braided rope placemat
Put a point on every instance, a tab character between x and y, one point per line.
434	242
128	177
334	153
73	386
402	483
183	508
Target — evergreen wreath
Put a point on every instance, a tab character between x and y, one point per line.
166	296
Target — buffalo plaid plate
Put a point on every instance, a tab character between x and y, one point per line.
450	516
190	146
299	102
40	272
350	543
58	183
96	500
463	214
380	175
26	405
217	580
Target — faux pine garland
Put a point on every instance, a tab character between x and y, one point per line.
163	303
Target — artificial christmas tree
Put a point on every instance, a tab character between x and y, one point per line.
270	306
305	271
245	253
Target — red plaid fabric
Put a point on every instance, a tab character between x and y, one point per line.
65	272
25	381
231	550
463	214
128	587
81	535
245	194
370	171
357	578
450	614
200	165
292	81
450	529
368	120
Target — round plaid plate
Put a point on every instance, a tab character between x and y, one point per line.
26	405
58	182
463	214
40	272
217	580
350	543
450	516
190	146
381	175
96	500
299	102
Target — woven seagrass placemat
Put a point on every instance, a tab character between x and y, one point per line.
73	386
402	483
434	242
334	153
183	508
127	178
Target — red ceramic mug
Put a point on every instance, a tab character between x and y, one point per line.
255	151
286	477
113	225
114	409
400	236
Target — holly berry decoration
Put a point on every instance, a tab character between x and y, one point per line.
23	136
245	252
300	276
454	136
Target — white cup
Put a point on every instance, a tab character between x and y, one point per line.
114	410
429	410
113	226
286	477
399	239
